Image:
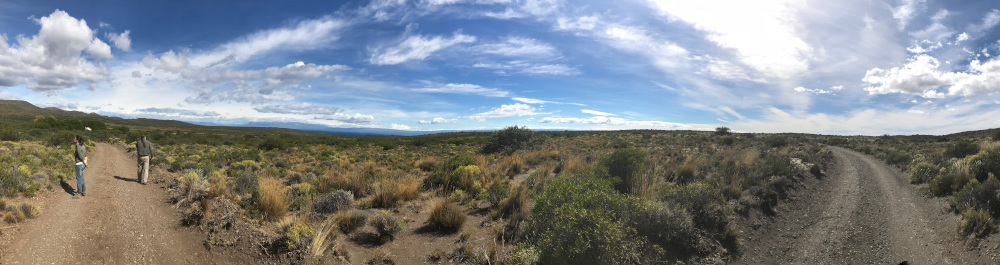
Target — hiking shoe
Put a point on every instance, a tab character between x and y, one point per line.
83	194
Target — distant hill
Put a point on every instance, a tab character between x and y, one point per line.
23	112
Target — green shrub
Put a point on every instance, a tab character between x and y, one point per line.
980	196
923	172
723	130
975	223
897	157
626	166
941	185
300	195
385	225
298	236
585	221
775	141
984	163
670	228
496	193
446	216
459	161
508	140
961	149
727	141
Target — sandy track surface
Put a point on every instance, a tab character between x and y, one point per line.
119	222
863	212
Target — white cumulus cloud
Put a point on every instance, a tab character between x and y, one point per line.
121	41
51	60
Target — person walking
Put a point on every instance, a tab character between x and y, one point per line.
145	151
80	156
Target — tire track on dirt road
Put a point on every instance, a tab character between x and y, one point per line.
119	222
863	212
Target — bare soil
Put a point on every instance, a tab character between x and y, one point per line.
862	212
120	221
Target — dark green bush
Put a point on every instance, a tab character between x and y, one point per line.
980	196
923	172
897	157
722	130
941	185
626	166
975	223
984	163
962	148
508	140
496	193
459	161
775	141
727	141
585	221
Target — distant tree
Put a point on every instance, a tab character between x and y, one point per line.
508	140
722	130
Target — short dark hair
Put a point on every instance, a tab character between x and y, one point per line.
79	138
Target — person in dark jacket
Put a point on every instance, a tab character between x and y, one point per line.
145	151
80	157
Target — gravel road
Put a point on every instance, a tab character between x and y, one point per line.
119	222
863	212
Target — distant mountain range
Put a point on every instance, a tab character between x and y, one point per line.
334	130
23	111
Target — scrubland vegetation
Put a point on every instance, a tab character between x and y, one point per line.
540	197
961	167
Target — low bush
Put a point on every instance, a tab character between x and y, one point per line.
923	172
514	205
446	216
984	163
385	225
508	140
626	166
897	157
270	199
979	196
568	206
975	223
941	184
298	236
349	221
496	193
29	210
300	195
961	149
390	192
381	256
332	202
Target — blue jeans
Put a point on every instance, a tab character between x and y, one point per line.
81	187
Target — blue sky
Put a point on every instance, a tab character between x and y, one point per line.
832	67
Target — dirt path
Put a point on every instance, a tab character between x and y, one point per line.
119	222
863	212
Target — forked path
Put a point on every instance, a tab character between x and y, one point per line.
863	212
119	222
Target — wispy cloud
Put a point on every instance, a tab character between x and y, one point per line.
598	113
516	109
416	48
438	121
470	89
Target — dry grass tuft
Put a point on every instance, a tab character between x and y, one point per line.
270	199
381	256
324	238
446	216
30	210
348	222
390	192
513	207
426	164
513	165
386	226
